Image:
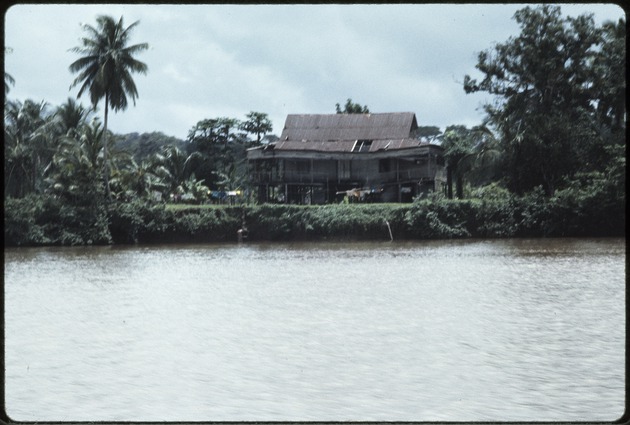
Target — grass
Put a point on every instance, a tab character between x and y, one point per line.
183	207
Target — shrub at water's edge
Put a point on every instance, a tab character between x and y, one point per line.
38	220
42	220
154	223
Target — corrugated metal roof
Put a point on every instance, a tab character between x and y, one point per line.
339	127
319	146
346	145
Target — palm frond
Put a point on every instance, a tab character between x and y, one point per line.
107	63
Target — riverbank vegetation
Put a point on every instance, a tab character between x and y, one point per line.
494	213
549	160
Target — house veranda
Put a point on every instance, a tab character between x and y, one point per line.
323	158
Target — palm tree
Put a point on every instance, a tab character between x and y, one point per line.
457	145
71	116
174	166
230	179
137	180
470	153
484	164
8	79
77	162
28	138
105	69
194	188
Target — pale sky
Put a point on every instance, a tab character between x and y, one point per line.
210	61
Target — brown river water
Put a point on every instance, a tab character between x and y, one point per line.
474	330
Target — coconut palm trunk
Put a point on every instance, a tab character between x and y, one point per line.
108	192
105	71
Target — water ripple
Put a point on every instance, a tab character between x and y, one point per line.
507	330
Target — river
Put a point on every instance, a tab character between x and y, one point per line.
473	330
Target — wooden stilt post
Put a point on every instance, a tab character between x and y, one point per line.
391	236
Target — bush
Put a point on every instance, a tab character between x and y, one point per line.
443	219
351	221
587	206
20	227
319	222
590	205
276	222
149	222
204	225
45	220
137	221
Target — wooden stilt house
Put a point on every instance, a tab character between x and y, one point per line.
320	158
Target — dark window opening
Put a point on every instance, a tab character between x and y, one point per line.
362	146
303	167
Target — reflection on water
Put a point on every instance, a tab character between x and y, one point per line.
426	331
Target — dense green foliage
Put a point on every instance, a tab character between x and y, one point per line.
45	220
559	97
222	148
144	145
472	155
548	161
139	222
352	108
592	209
105	67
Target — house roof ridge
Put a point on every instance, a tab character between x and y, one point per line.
357	114
375	126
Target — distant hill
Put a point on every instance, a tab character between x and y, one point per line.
143	145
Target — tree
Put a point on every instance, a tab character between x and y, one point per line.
139	179
193	188
204	138
457	145
71	116
430	133
231	179
226	126
205	132
352	108
8	79
270	138
610	78
213	131
76	165
174	166
470	154
143	145
257	123
220	146
549	81
29	132
105	69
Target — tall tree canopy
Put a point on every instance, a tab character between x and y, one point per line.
257	123
105	67
28	134
8	79
71	115
429	133
352	108
470	154
560	95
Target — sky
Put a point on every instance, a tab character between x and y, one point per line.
211	61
